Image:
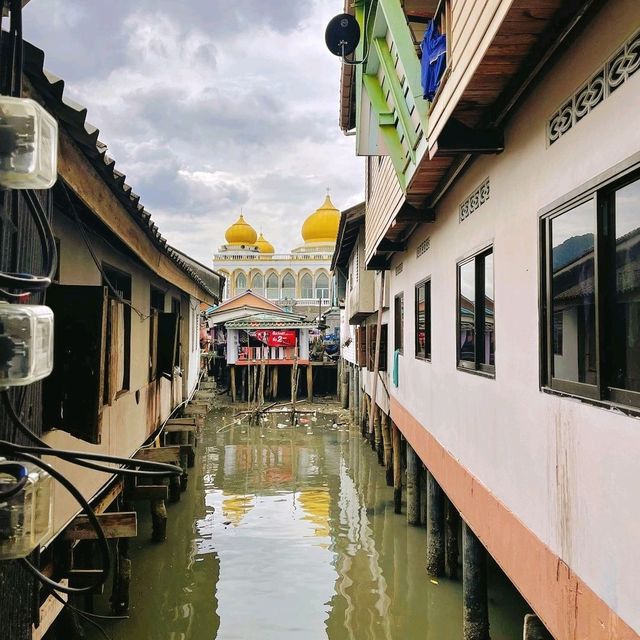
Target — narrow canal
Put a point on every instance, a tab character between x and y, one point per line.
289	533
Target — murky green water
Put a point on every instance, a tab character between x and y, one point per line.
289	533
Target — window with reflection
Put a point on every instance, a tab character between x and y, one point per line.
322	287
398	322
288	286
476	308
306	286
591	295
241	283
257	284
423	320
273	292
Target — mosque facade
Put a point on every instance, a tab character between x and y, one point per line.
298	281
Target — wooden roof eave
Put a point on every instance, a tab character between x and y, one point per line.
100	200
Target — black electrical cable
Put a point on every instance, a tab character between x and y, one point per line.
146	467
15	25
9	490
105	552
83	614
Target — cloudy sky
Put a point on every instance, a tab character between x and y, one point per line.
209	107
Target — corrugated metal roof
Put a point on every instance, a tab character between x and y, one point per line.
268	321
73	117
350	222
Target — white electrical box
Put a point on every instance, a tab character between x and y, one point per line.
26	518
26	343
28	145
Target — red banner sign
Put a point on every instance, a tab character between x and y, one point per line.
277	337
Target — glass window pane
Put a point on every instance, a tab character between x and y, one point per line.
398	321
420	321
467	310
625	363
489	320
427	319
573	295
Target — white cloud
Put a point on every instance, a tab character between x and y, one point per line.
221	107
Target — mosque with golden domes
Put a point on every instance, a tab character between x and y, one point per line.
294	280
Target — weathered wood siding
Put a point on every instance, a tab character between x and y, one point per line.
474	24
385	198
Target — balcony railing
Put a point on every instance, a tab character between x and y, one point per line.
248	355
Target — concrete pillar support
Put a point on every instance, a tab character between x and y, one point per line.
435	527
452	526
413	486
397	471
475	608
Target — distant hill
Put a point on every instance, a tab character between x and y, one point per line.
571	249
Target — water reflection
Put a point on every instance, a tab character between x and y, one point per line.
289	533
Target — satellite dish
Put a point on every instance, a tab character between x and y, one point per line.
342	35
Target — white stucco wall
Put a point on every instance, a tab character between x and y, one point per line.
567	469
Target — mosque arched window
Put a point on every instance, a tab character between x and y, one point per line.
241	283
288	286
306	286
257	284
322	286
272	287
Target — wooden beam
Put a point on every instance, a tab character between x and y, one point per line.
49	611
122	524
409	213
458	138
108	497
160	454
86	578
177	428
149	492
388	246
185	421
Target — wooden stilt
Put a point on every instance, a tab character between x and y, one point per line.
184	459
309	383
435	527
397	472
352	402
344	394
377	428
413	487
174	489
475	609
121	578
232	373
452	525
534	629
388	452
158	520
275	381
243	384
357	396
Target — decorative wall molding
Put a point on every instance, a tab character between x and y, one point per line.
423	247
613	74
475	200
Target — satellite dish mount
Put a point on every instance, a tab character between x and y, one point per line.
342	36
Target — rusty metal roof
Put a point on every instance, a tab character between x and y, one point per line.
73	117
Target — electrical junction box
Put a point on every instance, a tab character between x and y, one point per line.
26	518
26	343
28	145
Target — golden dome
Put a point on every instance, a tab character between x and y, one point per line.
322	225
264	246
241	233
